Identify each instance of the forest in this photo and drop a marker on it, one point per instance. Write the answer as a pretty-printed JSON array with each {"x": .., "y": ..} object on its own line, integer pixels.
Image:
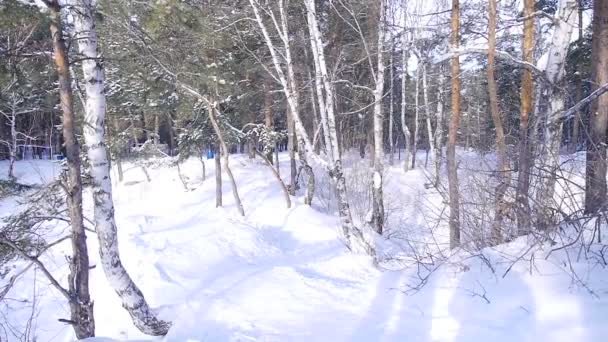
[{"x": 303, "y": 170}]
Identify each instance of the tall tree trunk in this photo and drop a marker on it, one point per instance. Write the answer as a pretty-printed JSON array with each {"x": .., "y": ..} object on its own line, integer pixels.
[
  {"x": 200, "y": 158},
  {"x": 310, "y": 184},
  {"x": 354, "y": 237},
  {"x": 268, "y": 114},
  {"x": 377, "y": 184},
  {"x": 439, "y": 126},
  {"x": 527, "y": 90},
  {"x": 276, "y": 158},
  {"x": 391, "y": 120},
  {"x": 579, "y": 85},
  {"x": 427, "y": 108},
  {"x": 404, "y": 128},
  {"x": 453, "y": 132},
  {"x": 291, "y": 151},
  {"x": 416, "y": 118},
  {"x": 288, "y": 83},
  {"x": 115, "y": 127},
  {"x": 218, "y": 178},
  {"x": 132, "y": 298},
  {"x": 595, "y": 186},
  {"x": 81, "y": 307},
  {"x": 501, "y": 148},
  {"x": 13, "y": 145},
  {"x": 552, "y": 107},
  {"x": 316, "y": 120},
  {"x": 135, "y": 137},
  {"x": 156, "y": 129},
  {"x": 223, "y": 150}
]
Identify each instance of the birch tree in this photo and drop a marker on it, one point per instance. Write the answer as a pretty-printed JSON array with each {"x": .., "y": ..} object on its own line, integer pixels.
[
  {"x": 439, "y": 125},
  {"x": 501, "y": 148},
  {"x": 391, "y": 114},
  {"x": 416, "y": 115},
  {"x": 551, "y": 105},
  {"x": 93, "y": 72},
  {"x": 427, "y": 107},
  {"x": 378, "y": 203},
  {"x": 81, "y": 306},
  {"x": 404, "y": 128},
  {"x": 454, "y": 195},
  {"x": 285, "y": 75},
  {"x": 354, "y": 237}
]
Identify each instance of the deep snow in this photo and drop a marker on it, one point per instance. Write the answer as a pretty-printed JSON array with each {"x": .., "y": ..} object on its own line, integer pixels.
[{"x": 283, "y": 275}]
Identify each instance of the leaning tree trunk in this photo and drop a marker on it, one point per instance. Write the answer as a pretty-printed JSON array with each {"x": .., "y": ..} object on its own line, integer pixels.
[
  {"x": 595, "y": 187},
  {"x": 304, "y": 144},
  {"x": 132, "y": 298},
  {"x": 552, "y": 98},
  {"x": 453, "y": 191},
  {"x": 525, "y": 155},
  {"x": 501, "y": 148},
  {"x": 224, "y": 153},
  {"x": 377, "y": 184},
  {"x": 81, "y": 307},
  {"x": 277, "y": 176}
]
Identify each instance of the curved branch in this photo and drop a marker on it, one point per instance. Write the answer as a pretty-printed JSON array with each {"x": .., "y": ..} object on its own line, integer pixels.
[{"x": 35, "y": 260}]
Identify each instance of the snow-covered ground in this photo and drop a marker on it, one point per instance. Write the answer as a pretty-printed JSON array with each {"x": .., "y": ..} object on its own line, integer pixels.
[{"x": 281, "y": 274}]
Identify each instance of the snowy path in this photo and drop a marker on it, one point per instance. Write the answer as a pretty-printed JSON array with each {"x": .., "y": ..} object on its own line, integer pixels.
[{"x": 282, "y": 274}]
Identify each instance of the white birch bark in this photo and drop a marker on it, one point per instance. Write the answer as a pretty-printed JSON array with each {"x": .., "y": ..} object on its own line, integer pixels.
[
  {"x": 280, "y": 74},
  {"x": 439, "y": 126},
  {"x": 416, "y": 117},
  {"x": 378, "y": 203},
  {"x": 131, "y": 296},
  {"x": 427, "y": 108},
  {"x": 552, "y": 106},
  {"x": 290, "y": 89},
  {"x": 354, "y": 237},
  {"x": 404, "y": 127},
  {"x": 391, "y": 120}
]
